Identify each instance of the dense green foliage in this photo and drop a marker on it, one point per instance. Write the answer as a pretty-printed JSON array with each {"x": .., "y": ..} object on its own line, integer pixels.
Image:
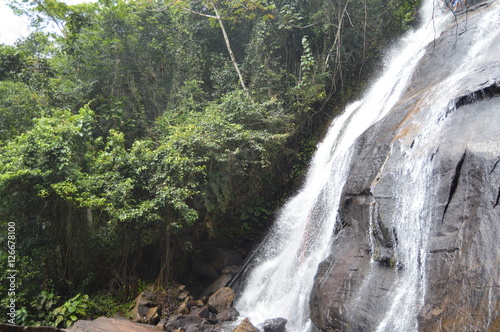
[{"x": 146, "y": 131}]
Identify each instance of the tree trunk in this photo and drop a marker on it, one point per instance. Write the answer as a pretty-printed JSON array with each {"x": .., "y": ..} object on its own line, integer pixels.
[{"x": 228, "y": 45}]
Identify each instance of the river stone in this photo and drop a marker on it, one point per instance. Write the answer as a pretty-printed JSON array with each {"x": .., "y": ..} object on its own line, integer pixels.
[
  {"x": 246, "y": 326},
  {"x": 104, "y": 324},
  {"x": 227, "y": 315},
  {"x": 462, "y": 268},
  {"x": 202, "y": 328},
  {"x": 183, "y": 322},
  {"x": 221, "y": 300},
  {"x": 275, "y": 325},
  {"x": 161, "y": 323},
  {"x": 200, "y": 311},
  {"x": 146, "y": 308}
]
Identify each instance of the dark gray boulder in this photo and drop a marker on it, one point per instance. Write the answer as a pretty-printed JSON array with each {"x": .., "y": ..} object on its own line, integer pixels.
[
  {"x": 184, "y": 322},
  {"x": 275, "y": 325}
]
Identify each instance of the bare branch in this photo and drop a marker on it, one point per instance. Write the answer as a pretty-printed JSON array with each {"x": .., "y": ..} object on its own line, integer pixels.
[
  {"x": 193, "y": 11},
  {"x": 218, "y": 17},
  {"x": 52, "y": 17},
  {"x": 228, "y": 45}
]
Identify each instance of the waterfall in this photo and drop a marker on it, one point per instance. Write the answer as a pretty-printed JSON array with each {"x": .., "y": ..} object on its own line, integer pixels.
[
  {"x": 283, "y": 270},
  {"x": 417, "y": 184}
]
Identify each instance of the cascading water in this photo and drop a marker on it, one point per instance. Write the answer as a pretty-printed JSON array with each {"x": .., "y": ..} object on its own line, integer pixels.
[
  {"x": 284, "y": 266},
  {"x": 417, "y": 185}
]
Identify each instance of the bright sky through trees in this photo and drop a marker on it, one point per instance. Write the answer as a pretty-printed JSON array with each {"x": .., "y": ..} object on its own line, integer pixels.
[{"x": 12, "y": 26}]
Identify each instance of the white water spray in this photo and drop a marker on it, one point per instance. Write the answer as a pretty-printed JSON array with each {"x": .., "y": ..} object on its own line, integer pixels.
[
  {"x": 417, "y": 184},
  {"x": 280, "y": 283}
]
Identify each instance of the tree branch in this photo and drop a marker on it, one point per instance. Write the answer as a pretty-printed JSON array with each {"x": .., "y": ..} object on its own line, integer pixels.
[
  {"x": 228, "y": 45},
  {"x": 52, "y": 17},
  {"x": 224, "y": 33},
  {"x": 193, "y": 11}
]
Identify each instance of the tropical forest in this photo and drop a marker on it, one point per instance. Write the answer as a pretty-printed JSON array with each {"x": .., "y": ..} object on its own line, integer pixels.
[{"x": 139, "y": 138}]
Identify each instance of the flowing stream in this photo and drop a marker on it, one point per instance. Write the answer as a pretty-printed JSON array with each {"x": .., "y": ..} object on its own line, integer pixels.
[{"x": 283, "y": 268}]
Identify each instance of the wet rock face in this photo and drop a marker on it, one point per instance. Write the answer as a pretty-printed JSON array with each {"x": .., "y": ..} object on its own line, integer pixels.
[
  {"x": 461, "y": 264},
  {"x": 463, "y": 254}
]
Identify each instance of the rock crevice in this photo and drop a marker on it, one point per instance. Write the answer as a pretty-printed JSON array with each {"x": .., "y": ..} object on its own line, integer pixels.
[{"x": 454, "y": 182}]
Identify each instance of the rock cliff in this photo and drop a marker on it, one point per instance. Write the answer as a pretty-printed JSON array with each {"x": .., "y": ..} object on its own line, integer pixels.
[{"x": 459, "y": 246}]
